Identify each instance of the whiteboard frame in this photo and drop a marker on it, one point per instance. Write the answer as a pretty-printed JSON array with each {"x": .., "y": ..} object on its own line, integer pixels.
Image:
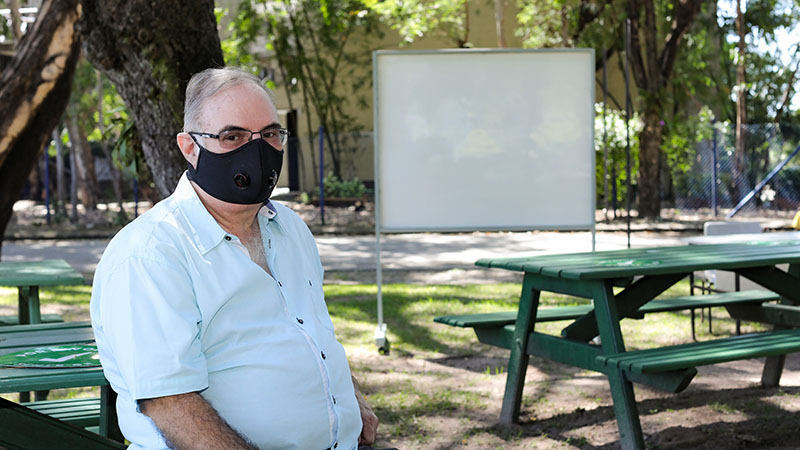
[{"x": 379, "y": 228}]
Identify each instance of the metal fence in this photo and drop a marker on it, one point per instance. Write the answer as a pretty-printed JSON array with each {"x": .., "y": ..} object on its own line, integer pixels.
[{"x": 718, "y": 180}]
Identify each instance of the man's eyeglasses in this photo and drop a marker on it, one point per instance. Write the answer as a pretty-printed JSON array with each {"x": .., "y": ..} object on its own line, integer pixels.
[{"x": 236, "y": 137}]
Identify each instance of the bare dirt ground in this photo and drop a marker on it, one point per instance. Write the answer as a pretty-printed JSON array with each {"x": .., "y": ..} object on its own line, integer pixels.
[{"x": 563, "y": 407}]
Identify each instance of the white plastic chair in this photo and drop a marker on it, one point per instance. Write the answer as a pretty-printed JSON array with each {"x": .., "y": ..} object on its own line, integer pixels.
[{"x": 708, "y": 278}]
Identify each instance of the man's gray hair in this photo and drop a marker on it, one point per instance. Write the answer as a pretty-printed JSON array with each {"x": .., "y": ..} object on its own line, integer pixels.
[{"x": 205, "y": 84}]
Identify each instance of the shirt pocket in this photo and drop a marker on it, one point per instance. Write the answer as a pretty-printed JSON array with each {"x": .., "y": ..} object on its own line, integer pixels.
[{"x": 320, "y": 307}]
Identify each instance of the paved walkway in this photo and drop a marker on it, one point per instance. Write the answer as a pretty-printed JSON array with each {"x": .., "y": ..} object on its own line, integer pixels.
[{"x": 403, "y": 256}]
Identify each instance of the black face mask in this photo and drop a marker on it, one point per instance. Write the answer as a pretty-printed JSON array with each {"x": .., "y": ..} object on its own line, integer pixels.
[{"x": 246, "y": 175}]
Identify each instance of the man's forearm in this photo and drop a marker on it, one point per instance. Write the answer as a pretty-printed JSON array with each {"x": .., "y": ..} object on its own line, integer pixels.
[{"x": 187, "y": 421}]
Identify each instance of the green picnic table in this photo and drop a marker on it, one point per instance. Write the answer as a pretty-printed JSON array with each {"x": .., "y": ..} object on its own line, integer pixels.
[
  {"x": 25, "y": 425},
  {"x": 642, "y": 274},
  {"x": 27, "y": 277}
]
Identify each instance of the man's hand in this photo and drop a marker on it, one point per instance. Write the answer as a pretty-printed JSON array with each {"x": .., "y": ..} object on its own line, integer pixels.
[
  {"x": 188, "y": 421},
  {"x": 368, "y": 417}
]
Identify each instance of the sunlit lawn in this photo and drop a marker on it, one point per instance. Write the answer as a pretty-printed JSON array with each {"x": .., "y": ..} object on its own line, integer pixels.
[{"x": 409, "y": 311}]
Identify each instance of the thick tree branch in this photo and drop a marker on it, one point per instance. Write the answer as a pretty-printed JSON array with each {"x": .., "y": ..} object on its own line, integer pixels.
[
  {"x": 685, "y": 13},
  {"x": 34, "y": 91},
  {"x": 587, "y": 15},
  {"x": 651, "y": 47},
  {"x": 635, "y": 58}
]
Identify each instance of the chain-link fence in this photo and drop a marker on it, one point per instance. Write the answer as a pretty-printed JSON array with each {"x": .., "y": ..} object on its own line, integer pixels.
[{"x": 720, "y": 178}]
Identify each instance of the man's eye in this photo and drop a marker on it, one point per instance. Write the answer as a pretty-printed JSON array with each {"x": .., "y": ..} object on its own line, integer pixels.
[
  {"x": 232, "y": 137},
  {"x": 269, "y": 134}
]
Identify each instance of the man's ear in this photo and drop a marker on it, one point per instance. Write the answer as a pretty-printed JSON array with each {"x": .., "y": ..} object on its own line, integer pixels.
[{"x": 188, "y": 147}]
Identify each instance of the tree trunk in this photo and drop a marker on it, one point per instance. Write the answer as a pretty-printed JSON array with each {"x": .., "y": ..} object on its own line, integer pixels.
[
  {"x": 649, "y": 154},
  {"x": 73, "y": 186},
  {"x": 652, "y": 69},
  {"x": 34, "y": 90},
  {"x": 741, "y": 107},
  {"x": 499, "y": 13},
  {"x": 16, "y": 21},
  {"x": 87, "y": 188},
  {"x": 116, "y": 178},
  {"x": 150, "y": 55},
  {"x": 35, "y": 189},
  {"x": 61, "y": 195}
]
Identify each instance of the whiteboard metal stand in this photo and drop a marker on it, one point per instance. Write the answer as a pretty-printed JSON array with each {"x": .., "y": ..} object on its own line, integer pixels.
[{"x": 380, "y": 331}]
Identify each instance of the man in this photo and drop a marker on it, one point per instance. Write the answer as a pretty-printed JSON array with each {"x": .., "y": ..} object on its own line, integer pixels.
[{"x": 208, "y": 309}]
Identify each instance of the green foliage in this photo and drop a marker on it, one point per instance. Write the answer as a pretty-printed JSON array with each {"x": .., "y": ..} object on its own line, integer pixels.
[
  {"x": 117, "y": 125},
  {"x": 703, "y": 78},
  {"x": 334, "y": 187},
  {"x": 570, "y": 23},
  {"x": 319, "y": 48},
  {"x": 127, "y": 153},
  {"x": 540, "y": 23},
  {"x": 6, "y": 35},
  {"x": 414, "y": 19},
  {"x": 615, "y": 146}
]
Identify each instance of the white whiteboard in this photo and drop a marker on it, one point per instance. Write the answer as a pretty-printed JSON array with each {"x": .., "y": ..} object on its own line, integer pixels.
[{"x": 484, "y": 140}]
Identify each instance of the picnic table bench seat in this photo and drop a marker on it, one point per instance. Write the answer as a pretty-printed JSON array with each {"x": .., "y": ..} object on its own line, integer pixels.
[
  {"x": 80, "y": 412},
  {"x": 14, "y": 320},
  {"x": 500, "y": 319},
  {"x": 685, "y": 356}
]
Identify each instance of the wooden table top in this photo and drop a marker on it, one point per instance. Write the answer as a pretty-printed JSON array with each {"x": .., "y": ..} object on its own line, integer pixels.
[
  {"x": 653, "y": 261},
  {"x": 49, "y": 272},
  {"x": 20, "y": 337}
]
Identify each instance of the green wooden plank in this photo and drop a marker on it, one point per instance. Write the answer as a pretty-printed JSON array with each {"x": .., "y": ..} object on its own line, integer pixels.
[
  {"x": 668, "y": 260},
  {"x": 51, "y": 272},
  {"x": 518, "y": 360},
  {"x": 38, "y": 327},
  {"x": 14, "y": 320},
  {"x": 13, "y": 338},
  {"x": 478, "y": 320},
  {"x": 780, "y": 315},
  {"x": 497, "y": 336},
  {"x": 631, "y": 262},
  {"x": 573, "y": 312},
  {"x": 624, "y": 304},
  {"x": 507, "y": 317},
  {"x": 708, "y": 352},
  {"x": 21, "y": 380},
  {"x": 710, "y": 300},
  {"x": 83, "y": 412}
]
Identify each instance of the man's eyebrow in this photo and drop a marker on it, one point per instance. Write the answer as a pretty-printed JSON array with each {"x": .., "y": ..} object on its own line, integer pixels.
[
  {"x": 230, "y": 127},
  {"x": 236, "y": 127}
]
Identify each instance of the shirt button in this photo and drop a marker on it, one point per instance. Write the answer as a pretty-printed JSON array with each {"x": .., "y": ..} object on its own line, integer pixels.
[
  {"x": 280, "y": 284},
  {"x": 300, "y": 321},
  {"x": 323, "y": 355},
  {"x": 335, "y": 444},
  {"x": 334, "y": 399},
  {"x": 227, "y": 238}
]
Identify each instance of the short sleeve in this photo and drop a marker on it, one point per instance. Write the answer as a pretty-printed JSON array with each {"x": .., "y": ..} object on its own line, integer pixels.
[{"x": 150, "y": 326}]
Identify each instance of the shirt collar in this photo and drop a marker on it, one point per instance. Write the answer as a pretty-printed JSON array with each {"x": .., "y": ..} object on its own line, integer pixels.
[
  {"x": 203, "y": 228},
  {"x": 268, "y": 210}
]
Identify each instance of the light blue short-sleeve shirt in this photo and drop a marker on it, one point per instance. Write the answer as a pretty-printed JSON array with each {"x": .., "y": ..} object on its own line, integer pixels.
[{"x": 178, "y": 306}]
